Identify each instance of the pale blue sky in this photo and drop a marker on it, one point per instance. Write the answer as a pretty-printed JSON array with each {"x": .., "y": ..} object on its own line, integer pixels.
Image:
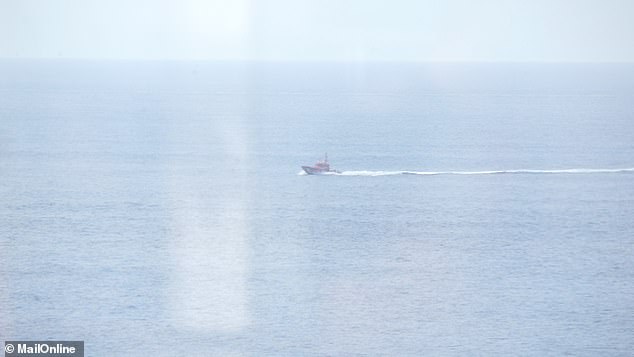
[{"x": 363, "y": 30}]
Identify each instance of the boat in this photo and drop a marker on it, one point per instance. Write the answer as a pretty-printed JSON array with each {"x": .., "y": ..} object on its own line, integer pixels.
[{"x": 321, "y": 167}]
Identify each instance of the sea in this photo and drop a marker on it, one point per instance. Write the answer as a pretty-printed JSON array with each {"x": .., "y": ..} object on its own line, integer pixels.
[{"x": 158, "y": 208}]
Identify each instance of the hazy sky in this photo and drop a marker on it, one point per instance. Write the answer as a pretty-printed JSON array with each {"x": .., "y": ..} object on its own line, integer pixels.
[{"x": 412, "y": 30}]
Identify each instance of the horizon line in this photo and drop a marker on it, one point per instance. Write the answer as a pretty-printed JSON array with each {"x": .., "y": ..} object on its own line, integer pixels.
[{"x": 307, "y": 61}]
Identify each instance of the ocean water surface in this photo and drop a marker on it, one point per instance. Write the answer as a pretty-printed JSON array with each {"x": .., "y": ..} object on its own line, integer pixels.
[{"x": 158, "y": 208}]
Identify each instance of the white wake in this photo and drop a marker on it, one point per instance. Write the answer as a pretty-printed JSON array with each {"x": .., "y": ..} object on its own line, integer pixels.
[{"x": 491, "y": 172}]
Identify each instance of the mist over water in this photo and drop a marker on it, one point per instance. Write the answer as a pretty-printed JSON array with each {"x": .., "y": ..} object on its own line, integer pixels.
[{"x": 480, "y": 208}]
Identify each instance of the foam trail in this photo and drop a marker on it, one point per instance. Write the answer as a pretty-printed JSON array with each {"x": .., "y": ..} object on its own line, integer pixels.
[{"x": 489, "y": 172}]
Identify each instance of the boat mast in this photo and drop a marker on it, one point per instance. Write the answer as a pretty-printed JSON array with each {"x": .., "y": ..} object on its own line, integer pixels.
[{"x": 326, "y": 158}]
